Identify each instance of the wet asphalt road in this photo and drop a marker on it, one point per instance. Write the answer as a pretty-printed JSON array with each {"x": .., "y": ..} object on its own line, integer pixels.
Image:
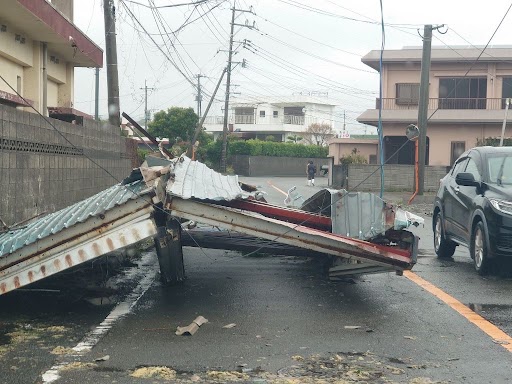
[{"x": 289, "y": 320}]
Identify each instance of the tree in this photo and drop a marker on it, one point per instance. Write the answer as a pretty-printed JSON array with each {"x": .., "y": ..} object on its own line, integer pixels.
[
  {"x": 294, "y": 138},
  {"x": 177, "y": 124},
  {"x": 319, "y": 134}
]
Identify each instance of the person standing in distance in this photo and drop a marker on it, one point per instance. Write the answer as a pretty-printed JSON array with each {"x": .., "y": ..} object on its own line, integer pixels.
[{"x": 310, "y": 171}]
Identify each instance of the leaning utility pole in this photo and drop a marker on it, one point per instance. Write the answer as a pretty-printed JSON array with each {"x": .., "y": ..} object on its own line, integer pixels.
[
  {"x": 109, "y": 13},
  {"x": 146, "y": 114},
  {"x": 423, "y": 103}
]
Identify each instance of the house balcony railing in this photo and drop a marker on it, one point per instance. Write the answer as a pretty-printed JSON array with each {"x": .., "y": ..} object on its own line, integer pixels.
[
  {"x": 443, "y": 103},
  {"x": 269, "y": 120}
]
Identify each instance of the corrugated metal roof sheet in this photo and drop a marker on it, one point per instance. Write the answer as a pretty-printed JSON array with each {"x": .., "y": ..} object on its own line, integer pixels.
[
  {"x": 69, "y": 216},
  {"x": 195, "y": 180}
]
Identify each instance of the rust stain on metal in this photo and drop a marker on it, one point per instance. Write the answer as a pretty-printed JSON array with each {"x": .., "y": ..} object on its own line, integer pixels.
[
  {"x": 43, "y": 270},
  {"x": 56, "y": 263},
  {"x": 135, "y": 234},
  {"x": 122, "y": 239},
  {"x": 31, "y": 276},
  {"x": 110, "y": 244},
  {"x": 17, "y": 282},
  {"x": 100, "y": 229},
  {"x": 81, "y": 255},
  {"x": 96, "y": 248},
  {"x": 3, "y": 287},
  {"x": 69, "y": 262}
]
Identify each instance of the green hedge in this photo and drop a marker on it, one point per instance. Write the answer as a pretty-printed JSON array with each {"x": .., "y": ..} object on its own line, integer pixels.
[
  {"x": 211, "y": 154},
  {"x": 268, "y": 148}
]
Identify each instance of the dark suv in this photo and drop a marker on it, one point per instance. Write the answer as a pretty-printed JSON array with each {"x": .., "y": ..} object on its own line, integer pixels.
[{"x": 473, "y": 207}]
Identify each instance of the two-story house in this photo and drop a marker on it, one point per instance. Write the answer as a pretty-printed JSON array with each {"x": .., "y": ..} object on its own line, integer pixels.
[
  {"x": 39, "y": 49},
  {"x": 279, "y": 117},
  {"x": 467, "y": 97}
]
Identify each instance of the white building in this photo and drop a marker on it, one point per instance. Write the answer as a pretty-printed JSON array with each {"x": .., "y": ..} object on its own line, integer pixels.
[{"x": 279, "y": 117}]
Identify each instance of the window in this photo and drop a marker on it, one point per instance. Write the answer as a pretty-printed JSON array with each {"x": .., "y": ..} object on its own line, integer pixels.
[
  {"x": 244, "y": 115},
  {"x": 262, "y": 113},
  {"x": 458, "y": 148},
  {"x": 458, "y": 167},
  {"x": 463, "y": 93},
  {"x": 407, "y": 93},
  {"x": 506, "y": 91},
  {"x": 473, "y": 169},
  {"x": 276, "y": 113}
]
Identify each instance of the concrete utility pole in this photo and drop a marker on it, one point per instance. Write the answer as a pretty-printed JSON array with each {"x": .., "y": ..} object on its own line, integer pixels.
[
  {"x": 226, "y": 101},
  {"x": 109, "y": 13},
  {"x": 201, "y": 121},
  {"x": 199, "y": 97},
  {"x": 423, "y": 103},
  {"x": 228, "y": 83},
  {"x": 504, "y": 122},
  {"x": 146, "y": 112}
]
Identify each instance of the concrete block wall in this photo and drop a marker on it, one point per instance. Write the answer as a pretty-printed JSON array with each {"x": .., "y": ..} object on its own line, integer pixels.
[
  {"x": 274, "y": 166},
  {"x": 397, "y": 177},
  {"x": 43, "y": 171}
]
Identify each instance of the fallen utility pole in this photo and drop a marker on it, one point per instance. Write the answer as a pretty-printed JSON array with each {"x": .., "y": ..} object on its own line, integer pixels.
[
  {"x": 200, "y": 123},
  {"x": 147, "y": 134}
]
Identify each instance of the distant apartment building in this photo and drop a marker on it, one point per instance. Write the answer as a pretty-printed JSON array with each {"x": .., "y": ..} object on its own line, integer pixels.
[
  {"x": 467, "y": 99},
  {"x": 39, "y": 49},
  {"x": 279, "y": 117}
]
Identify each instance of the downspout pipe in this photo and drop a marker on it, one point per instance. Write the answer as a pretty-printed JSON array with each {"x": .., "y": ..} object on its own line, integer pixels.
[{"x": 45, "y": 80}]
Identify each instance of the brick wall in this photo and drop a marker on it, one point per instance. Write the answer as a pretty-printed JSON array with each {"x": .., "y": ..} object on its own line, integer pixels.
[{"x": 42, "y": 172}]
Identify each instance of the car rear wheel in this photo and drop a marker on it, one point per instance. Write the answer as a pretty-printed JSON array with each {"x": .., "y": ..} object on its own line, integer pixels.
[
  {"x": 444, "y": 248},
  {"x": 479, "y": 249}
]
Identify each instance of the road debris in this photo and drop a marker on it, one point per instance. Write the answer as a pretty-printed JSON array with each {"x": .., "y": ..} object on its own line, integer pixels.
[
  {"x": 192, "y": 328},
  {"x": 228, "y": 326},
  {"x": 103, "y": 358},
  {"x": 352, "y": 327},
  {"x": 164, "y": 373}
]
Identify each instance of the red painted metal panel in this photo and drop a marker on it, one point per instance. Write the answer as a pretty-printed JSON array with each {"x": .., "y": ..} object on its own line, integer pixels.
[{"x": 295, "y": 216}]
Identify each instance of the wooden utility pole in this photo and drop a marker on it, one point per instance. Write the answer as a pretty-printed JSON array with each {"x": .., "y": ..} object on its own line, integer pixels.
[{"x": 109, "y": 13}]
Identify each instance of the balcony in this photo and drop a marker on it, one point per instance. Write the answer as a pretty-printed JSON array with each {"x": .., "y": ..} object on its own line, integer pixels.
[
  {"x": 441, "y": 110},
  {"x": 443, "y": 103}
]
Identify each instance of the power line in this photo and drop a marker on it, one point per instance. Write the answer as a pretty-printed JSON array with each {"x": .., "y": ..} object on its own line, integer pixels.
[{"x": 480, "y": 55}]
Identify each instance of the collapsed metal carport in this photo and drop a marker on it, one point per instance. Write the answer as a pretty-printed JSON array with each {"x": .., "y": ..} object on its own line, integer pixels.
[{"x": 153, "y": 202}]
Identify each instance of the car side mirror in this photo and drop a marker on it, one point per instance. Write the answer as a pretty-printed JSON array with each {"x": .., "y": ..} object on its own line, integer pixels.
[{"x": 466, "y": 179}]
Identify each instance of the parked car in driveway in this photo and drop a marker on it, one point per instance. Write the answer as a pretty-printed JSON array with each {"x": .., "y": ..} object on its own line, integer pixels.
[{"x": 473, "y": 207}]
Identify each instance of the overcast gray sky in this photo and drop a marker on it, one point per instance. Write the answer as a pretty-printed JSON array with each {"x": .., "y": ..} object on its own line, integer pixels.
[{"x": 297, "y": 46}]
